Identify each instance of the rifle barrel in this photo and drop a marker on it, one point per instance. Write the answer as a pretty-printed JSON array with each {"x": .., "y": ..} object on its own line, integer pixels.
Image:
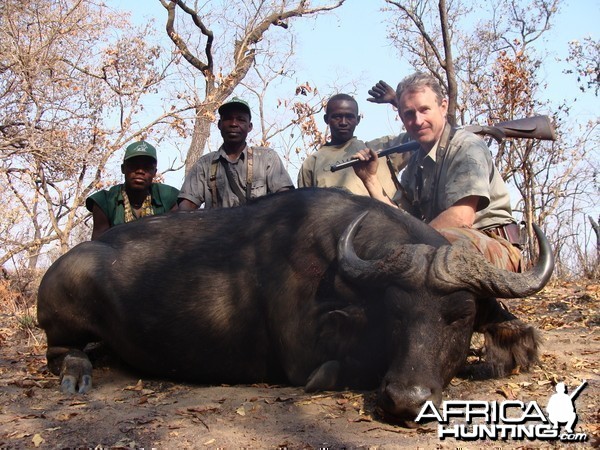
[{"x": 408, "y": 147}]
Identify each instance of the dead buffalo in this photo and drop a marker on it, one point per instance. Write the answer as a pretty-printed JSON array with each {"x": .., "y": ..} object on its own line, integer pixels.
[{"x": 313, "y": 287}]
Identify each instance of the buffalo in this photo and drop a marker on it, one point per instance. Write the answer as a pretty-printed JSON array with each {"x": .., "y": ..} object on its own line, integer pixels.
[{"x": 313, "y": 287}]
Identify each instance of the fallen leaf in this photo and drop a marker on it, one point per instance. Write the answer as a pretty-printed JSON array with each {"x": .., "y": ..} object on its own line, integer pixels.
[
  {"x": 65, "y": 416},
  {"x": 361, "y": 419},
  {"x": 507, "y": 392},
  {"x": 204, "y": 409},
  {"x": 138, "y": 387},
  {"x": 37, "y": 440}
]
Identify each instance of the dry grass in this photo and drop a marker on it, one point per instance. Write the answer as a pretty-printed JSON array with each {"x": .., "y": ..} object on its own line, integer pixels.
[{"x": 18, "y": 307}]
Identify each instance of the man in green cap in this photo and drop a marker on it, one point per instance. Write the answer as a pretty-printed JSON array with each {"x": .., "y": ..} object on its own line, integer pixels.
[
  {"x": 137, "y": 197},
  {"x": 236, "y": 172}
]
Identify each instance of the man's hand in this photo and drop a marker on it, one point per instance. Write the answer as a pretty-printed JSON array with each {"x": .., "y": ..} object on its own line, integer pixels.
[
  {"x": 382, "y": 93},
  {"x": 366, "y": 169}
]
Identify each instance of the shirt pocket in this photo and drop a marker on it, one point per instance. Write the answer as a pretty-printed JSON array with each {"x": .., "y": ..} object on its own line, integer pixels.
[{"x": 259, "y": 188}]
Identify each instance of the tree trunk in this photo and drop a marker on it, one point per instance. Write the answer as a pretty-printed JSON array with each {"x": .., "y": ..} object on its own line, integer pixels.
[
  {"x": 200, "y": 137},
  {"x": 596, "y": 229},
  {"x": 448, "y": 63}
]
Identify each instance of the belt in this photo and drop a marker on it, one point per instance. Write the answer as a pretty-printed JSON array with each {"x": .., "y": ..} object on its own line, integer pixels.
[{"x": 511, "y": 232}]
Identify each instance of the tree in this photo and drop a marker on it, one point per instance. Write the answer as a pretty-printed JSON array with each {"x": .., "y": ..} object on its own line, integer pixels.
[
  {"x": 230, "y": 49},
  {"x": 596, "y": 229},
  {"x": 553, "y": 179},
  {"x": 294, "y": 125},
  {"x": 586, "y": 58},
  {"x": 72, "y": 85},
  {"x": 429, "y": 43}
]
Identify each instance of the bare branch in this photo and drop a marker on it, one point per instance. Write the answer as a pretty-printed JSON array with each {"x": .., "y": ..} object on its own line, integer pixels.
[{"x": 205, "y": 67}]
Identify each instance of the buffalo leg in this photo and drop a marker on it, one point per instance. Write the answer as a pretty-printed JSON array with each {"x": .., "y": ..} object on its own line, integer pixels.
[{"x": 74, "y": 368}]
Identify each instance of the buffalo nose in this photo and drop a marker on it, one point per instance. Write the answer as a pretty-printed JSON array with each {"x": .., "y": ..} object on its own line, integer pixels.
[{"x": 405, "y": 402}]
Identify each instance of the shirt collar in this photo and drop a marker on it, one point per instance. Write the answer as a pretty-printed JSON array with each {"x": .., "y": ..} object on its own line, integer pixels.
[
  {"x": 342, "y": 145},
  {"x": 432, "y": 154},
  {"x": 221, "y": 154}
]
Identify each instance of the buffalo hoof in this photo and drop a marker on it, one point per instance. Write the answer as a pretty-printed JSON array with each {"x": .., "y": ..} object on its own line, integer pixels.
[
  {"x": 324, "y": 378},
  {"x": 76, "y": 373}
]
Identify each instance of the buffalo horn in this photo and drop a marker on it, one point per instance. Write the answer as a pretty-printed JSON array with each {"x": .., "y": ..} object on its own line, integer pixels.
[
  {"x": 457, "y": 265},
  {"x": 405, "y": 264},
  {"x": 447, "y": 268}
]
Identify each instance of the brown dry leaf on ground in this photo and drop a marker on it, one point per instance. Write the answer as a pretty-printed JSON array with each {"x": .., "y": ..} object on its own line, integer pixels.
[{"x": 124, "y": 411}]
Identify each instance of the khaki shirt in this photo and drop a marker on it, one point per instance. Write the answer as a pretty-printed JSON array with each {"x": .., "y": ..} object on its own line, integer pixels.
[
  {"x": 316, "y": 170},
  {"x": 268, "y": 176},
  {"x": 465, "y": 169}
]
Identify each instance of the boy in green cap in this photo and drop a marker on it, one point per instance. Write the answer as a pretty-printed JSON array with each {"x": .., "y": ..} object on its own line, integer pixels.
[{"x": 137, "y": 197}]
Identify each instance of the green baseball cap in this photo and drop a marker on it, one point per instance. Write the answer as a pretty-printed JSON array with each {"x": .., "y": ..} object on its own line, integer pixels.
[
  {"x": 238, "y": 103},
  {"x": 141, "y": 148}
]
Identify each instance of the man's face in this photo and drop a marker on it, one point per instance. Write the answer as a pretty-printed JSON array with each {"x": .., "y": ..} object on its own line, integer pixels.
[
  {"x": 423, "y": 118},
  {"x": 342, "y": 118},
  {"x": 235, "y": 125},
  {"x": 139, "y": 172}
]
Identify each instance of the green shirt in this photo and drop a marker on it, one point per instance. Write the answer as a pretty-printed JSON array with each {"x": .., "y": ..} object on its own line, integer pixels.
[{"x": 110, "y": 201}]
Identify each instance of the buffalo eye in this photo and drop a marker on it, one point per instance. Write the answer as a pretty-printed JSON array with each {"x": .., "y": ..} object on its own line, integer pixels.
[{"x": 458, "y": 310}]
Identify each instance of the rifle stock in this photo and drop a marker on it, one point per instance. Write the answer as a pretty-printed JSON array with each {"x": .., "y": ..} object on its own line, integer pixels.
[{"x": 536, "y": 127}]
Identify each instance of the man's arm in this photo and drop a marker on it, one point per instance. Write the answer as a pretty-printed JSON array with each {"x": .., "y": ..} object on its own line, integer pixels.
[
  {"x": 101, "y": 223},
  {"x": 306, "y": 172},
  {"x": 195, "y": 186},
  {"x": 461, "y": 214},
  {"x": 186, "y": 205},
  {"x": 278, "y": 179}
]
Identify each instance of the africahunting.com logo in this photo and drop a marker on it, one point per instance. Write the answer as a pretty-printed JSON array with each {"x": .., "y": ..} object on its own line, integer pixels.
[{"x": 510, "y": 419}]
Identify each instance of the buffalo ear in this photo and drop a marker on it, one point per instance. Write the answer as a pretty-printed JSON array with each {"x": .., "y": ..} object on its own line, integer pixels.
[{"x": 340, "y": 330}]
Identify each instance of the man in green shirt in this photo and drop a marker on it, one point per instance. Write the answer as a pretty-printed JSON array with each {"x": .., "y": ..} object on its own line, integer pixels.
[{"x": 137, "y": 197}]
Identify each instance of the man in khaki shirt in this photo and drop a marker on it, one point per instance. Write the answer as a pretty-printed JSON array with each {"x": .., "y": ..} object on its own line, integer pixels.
[
  {"x": 341, "y": 114},
  {"x": 451, "y": 181},
  {"x": 236, "y": 172}
]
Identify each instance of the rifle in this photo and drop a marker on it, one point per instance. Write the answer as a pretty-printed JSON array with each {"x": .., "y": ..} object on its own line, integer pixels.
[
  {"x": 408, "y": 147},
  {"x": 536, "y": 127}
]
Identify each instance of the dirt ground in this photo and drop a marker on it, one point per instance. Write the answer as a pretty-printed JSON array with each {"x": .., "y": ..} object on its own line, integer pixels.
[{"x": 123, "y": 411}]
